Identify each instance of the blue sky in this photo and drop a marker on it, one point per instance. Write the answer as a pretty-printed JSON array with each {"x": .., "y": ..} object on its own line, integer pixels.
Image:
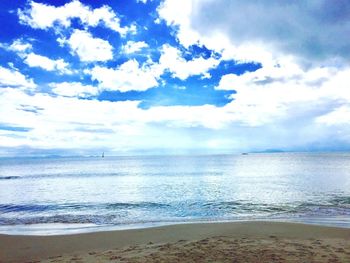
[{"x": 158, "y": 77}]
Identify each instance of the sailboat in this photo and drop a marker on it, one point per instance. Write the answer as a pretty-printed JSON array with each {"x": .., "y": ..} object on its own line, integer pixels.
[{"x": 103, "y": 155}]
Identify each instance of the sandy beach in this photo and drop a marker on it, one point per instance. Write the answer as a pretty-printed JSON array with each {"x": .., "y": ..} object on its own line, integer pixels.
[{"x": 202, "y": 242}]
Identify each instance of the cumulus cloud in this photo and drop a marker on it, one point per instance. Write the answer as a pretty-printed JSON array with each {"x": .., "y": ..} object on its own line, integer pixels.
[
  {"x": 315, "y": 32},
  {"x": 35, "y": 60},
  {"x": 15, "y": 79},
  {"x": 124, "y": 126},
  {"x": 284, "y": 104},
  {"x": 178, "y": 14},
  {"x": 20, "y": 46},
  {"x": 304, "y": 70},
  {"x": 285, "y": 71},
  {"x": 338, "y": 116},
  {"x": 92, "y": 123},
  {"x": 43, "y": 16},
  {"x": 286, "y": 92},
  {"x": 132, "y": 46},
  {"x": 128, "y": 76},
  {"x": 307, "y": 30},
  {"x": 172, "y": 60},
  {"x": 133, "y": 76},
  {"x": 88, "y": 48},
  {"x": 24, "y": 50},
  {"x": 73, "y": 89}
]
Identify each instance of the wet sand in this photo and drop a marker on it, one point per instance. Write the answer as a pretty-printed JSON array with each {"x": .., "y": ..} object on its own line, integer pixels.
[{"x": 202, "y": 242}]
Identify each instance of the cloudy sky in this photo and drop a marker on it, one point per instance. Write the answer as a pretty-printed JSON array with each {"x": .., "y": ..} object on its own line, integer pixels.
[{"x": 173, "y": 76}]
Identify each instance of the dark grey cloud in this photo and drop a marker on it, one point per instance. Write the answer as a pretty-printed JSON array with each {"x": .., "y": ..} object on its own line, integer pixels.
[{"x": 314, "y": 30}]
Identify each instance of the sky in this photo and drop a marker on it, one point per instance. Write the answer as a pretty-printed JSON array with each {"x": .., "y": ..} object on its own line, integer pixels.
[{"x": 173, "y": 76}]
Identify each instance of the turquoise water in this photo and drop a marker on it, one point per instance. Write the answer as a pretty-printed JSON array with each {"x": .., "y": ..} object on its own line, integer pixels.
[{"x": 66, "y": 195}]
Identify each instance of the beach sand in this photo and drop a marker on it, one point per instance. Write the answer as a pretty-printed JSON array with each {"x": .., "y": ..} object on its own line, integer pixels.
[{"x": 202, "y": 242}]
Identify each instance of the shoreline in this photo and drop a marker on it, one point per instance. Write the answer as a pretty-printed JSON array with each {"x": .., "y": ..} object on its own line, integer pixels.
[
  {"x": 152, "y": 243},
  {"x": 63, "y": 229}
]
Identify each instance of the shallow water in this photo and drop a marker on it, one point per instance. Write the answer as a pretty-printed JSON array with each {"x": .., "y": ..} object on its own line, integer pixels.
[{"x": 66, "y": 195}]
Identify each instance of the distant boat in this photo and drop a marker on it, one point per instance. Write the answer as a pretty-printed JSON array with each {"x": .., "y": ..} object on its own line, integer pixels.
[
  {"x": 244, "y": 153},
  {"x": 103, "y": 155}
]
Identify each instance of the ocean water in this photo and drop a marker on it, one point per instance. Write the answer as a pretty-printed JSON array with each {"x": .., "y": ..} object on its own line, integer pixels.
[{"x": 68, "y": 195}]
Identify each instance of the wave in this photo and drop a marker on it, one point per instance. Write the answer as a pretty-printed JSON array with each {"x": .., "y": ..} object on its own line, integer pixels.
[
  {"x": 246, "y": 206},
  {"x": 8, "y": 208},
  {"x": 341, "y": 200},
  {"x": 136, "y": 205},
  {"x": 233, "y": 206},
  {"x": 122, "y": 212},
  {"x": 63, "y": 219}
]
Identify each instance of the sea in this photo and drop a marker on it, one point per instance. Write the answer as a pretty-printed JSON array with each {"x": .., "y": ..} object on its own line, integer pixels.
[{"x": 61, "y": 195}]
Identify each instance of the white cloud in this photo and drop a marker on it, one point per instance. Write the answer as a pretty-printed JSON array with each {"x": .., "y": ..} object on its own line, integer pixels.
[
  {"x": 59, "y": 65},
  {"x": 132, "y": 76},
  {"x": 180, "y": 87},
  {"x": 20, "y": 46},
  {"x": 263, "y": 114},
  {"x": 284, "y": 92},
  {"x": 73, "y": 89},
  {"x": 24, "y": 50},
  {"x": 128, "y": 76},
  {"x": 14, "y": 78},
  {"x": 88, "y": 48},
  {"x": 283, "y": 104},
  {"x": 285, "y": 71},
  {"x": 172, "y": 60},
  {"x": 178, "y": 13},
  {"x": 132, "y": 46},
  {"x": 93, "y": 124},
  {"x": 305, "y": 31},
  {"x": 340, "y": 116},
  {"x": 45, "y": 16}
]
